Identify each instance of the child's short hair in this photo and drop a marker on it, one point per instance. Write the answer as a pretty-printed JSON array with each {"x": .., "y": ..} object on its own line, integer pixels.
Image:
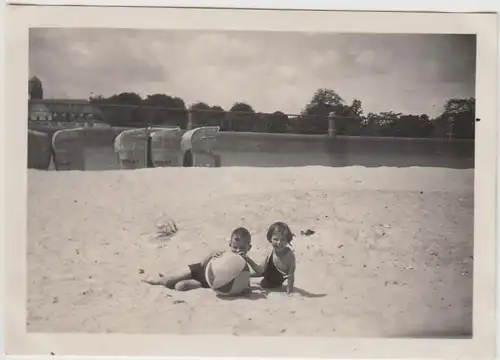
[
  {"x": 241, "y": 233},
  {"x": 282, "y": 228}
]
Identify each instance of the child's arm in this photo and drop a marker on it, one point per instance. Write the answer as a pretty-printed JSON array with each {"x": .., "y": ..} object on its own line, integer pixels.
[
  {"x": 212, "y": 255},
  {"x": 289, "y": 285},
  {"x": 258, "y": 270},
  {"x": 290, "y": 280}
]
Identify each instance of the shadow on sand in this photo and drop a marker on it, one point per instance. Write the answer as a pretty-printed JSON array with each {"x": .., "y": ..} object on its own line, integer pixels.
[
  {"x": 254, "y": 293},
  {"x": 257, "y": 292}
]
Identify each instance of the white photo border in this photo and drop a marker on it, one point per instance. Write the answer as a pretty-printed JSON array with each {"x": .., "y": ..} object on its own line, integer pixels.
[{"x": 21, "y": 18}]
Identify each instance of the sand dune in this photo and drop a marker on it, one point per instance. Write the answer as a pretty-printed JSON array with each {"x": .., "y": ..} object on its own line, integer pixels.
[{"x": 391, "y": 254}]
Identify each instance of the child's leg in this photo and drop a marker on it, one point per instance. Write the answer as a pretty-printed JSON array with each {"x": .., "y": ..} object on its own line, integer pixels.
[
  {"x": 186, "y": 285},
  {"x": 266, "y": 284},
  {"x": 172, "y": 280},
  {"x": 196, "y": 279}
]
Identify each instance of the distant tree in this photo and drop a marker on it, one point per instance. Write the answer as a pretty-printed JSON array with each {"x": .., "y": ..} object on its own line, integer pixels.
[
  {"x": 127, "y": 98},
  {"x": 218, "y": 115},
  {"x": 456, "y": 105},
  {"x": 126, "y": 108},
  {"x": 390, "y": 123},
  {"x": 173, "y": 110},
  {"x": 427, "y": 127},
  {"x": 390, "y": 116},
  {"x": 241, "y": 107},
  {"x": 199, "y": 106},
  {"x": 297, "y": 124},
  {"x": 372, "y": 124},
  {"x": 200, "y": 115},
  {"x": 357, "y": 108},
  {"x": 382, "y": 124},
  {"x": 96, "y": 99},
  {"x": 119, "y": 109},
  {"x": 217, "y": 108},
  {"x": 241, "y": 117},
  {"x": 277, "y": 122},
  {"x": 372, "y": 118},
  {"x": 461, "y": 113},
  {"x": 325, "y": 102},
  {"x": 156, "y": 109},
  {"x": 413, "y": 126},
  {"x": 160, "y": 100},
  {"x": 322, "y": 103}
]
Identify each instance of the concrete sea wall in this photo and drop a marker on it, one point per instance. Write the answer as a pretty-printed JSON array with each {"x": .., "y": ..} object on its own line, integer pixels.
[{"x": 289, "y": 150}]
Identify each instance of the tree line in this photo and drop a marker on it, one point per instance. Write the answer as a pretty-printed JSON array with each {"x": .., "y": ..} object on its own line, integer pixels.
[{"x": 130, "y": 109}]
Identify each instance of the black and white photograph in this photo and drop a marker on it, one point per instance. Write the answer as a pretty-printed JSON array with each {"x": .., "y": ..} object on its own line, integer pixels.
[{"x": 251, "y": 182}]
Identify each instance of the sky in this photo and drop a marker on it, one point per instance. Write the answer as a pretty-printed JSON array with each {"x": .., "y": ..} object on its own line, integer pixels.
[{"x": 408, "y": 73}]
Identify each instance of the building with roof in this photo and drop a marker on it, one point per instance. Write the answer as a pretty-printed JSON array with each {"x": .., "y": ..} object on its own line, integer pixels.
[
  {"x": 59, "y": 110},
  {"x": 63, "y": 110}
]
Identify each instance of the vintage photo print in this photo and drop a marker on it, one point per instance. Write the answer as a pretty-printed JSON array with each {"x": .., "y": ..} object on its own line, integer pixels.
[{"x": 250, "y": 183}]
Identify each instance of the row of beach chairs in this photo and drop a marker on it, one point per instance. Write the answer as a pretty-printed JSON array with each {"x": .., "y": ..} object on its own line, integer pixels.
[{"x": 135, "y": 148}]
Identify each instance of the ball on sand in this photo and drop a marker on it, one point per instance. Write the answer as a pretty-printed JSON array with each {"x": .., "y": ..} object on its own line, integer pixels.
[{"x": 228, "y": 274}]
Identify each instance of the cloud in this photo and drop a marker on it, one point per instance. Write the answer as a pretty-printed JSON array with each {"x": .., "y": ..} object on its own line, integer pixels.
[
  {"x": 66, "y": 59},
  {"x": 366, "y": 57},
  {"x": 271, "y": 71}
]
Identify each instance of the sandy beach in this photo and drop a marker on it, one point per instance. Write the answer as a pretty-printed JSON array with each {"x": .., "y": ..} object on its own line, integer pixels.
[{"x": 391, "y": 254}]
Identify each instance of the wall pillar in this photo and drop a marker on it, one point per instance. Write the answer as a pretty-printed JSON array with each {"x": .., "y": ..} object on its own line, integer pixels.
[
  {"x": 331, "y": 125},
  {"x": 450, "y": 129},
  {"x": 190, "y": 120}
]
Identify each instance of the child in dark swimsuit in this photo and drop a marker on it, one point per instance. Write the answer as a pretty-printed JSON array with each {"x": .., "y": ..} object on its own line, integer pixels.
[
  {"x": 193, "y": 276},
  {"x": 279, "y": 265}
]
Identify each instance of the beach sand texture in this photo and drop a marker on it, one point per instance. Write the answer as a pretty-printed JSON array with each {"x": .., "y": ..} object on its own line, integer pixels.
[{"x": 391, "y": 254}]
